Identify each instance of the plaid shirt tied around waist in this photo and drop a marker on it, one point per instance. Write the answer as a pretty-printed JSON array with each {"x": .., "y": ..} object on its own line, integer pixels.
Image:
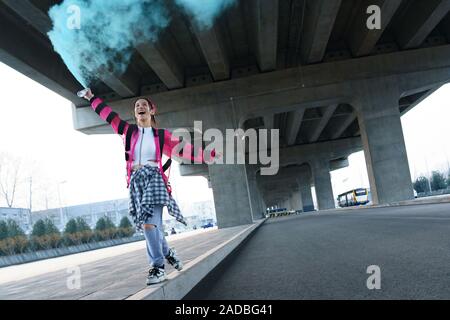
[{"x": 147, "y": 189}]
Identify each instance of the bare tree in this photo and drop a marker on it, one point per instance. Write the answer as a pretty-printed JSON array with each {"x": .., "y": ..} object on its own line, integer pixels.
[{"x": 9, "y": 178}]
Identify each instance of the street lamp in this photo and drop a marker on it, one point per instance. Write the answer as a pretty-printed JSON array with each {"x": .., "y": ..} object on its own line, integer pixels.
[{"x": 61, "y": 215}]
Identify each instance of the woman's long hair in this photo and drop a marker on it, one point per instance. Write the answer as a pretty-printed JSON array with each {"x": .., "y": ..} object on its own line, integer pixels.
[{"x": 154, "y": 123}]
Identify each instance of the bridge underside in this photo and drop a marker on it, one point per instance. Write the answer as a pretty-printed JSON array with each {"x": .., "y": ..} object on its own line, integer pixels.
[{"x": 311, "y": 69}]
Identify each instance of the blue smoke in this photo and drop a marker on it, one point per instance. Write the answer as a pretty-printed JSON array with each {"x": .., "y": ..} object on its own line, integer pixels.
[
  {"x": 109, "y": 31},
  {"x": 205, "y": 11}
]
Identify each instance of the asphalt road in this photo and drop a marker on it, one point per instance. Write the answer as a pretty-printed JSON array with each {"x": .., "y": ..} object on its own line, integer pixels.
[{"x": 326, "y": 256}]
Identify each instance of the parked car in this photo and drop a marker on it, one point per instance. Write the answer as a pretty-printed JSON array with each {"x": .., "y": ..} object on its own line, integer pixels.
[{"x": 208, "y": 225}]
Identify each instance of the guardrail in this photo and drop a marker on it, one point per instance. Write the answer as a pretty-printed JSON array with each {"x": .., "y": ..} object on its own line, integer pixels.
[{"x": 283, "y": 213}]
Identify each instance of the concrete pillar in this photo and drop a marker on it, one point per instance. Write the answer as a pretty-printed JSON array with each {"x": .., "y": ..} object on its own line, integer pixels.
[
  {"x": 307, "y": 200},
  {"x": 296, "y": 200},
  {"x": 377, "y": 106},
  {"x": 286, "y": 204},
  {"x": 264, "y": 200},
  {"x": 322, "y": 182},
  {"x": 254, "y": 194},
  {"x": 231, "y": 197},
  {"x": 263, "y": 204}
]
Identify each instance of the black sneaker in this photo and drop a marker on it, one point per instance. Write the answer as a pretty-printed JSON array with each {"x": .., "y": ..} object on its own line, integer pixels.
[
  {"x": 173, "y": 259},
  {"x": 156, "y": 275}
]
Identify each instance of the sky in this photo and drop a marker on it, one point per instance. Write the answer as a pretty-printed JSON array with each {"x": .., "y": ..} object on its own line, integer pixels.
[{"x": 70, "y": 168}]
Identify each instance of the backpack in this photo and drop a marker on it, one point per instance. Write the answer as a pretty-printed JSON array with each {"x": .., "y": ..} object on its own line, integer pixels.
[{"x": 166, "y": 165}]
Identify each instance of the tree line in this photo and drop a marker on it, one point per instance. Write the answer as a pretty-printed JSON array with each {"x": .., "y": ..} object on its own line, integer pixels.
[
  {"x": 45, "y": 235},
  {"x": 437, "y": 181}
]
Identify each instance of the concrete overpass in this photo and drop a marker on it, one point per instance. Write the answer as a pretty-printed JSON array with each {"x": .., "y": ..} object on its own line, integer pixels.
[{"x": 311, "y": 69}]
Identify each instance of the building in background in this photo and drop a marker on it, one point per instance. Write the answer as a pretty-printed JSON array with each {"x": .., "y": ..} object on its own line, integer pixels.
[
  {"x": 197, "y": 214},
  {"x": 91, "y": 212},
  {"x": 21, "y": 216}
]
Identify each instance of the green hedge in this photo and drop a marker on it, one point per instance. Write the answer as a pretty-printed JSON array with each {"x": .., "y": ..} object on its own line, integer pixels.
[{"x": 46, "y": 236}]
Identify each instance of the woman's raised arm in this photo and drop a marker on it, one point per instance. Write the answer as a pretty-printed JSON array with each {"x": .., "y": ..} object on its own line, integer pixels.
[{"x": 105, "y": 112}]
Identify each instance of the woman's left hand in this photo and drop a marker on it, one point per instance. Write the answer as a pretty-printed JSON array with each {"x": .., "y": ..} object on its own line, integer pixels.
[{"x": 88, "y": 95}]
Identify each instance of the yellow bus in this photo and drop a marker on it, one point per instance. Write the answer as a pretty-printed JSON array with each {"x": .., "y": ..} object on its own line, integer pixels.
[{"x": 354, "y": 197}]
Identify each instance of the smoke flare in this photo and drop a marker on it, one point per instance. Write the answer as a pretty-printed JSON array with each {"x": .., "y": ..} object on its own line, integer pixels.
[{"x": 109, "y": 30}]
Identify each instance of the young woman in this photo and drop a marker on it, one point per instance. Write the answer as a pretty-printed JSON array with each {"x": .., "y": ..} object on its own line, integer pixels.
[{"x": 148, "y": 185}]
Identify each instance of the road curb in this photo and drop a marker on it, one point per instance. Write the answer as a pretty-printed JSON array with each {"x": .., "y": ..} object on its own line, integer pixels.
[
  {"x": 393, "y": 204},
  {"x": 180, "y": 283}
]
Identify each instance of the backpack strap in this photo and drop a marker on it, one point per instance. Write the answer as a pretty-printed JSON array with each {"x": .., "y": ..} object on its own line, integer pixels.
[
  {"x": 131, "y": 129},
  {"x": 166, "y": 165}
]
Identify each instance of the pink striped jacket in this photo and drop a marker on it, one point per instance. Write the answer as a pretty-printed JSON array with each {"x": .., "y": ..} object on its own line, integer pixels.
[{"x": 130, "y": 135}]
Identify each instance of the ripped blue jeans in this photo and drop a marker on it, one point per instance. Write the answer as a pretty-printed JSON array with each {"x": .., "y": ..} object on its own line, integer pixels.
[{"x": 157, "y": 247}]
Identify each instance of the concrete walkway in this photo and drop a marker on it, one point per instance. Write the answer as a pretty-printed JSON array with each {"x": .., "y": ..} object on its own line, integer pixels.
[{"x": 117, "y": 276}]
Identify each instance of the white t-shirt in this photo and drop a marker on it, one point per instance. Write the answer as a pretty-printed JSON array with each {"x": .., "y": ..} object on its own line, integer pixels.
[{"x": 145, "y": 150}]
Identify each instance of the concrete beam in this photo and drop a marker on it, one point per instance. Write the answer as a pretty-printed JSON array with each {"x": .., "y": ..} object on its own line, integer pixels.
[
  {"x": 276, "y": 198},
  {"x": 339, "y": 164},
  {"x": 420, "y": 18},
  {"x": 320, "y": 17},
  {"x": 344, "y": 125},
  {"x": 265, "y": 14},
  {"x": 269, "y": 121},
  {"x": 277, "y": 184},
  {"x": 323, "y": 123},
  {"x": 213, "y": 48},
  {"x": 446, "y": 27},
  {"x": 125, "y": 85},
  {"x": 190, "y": 170},
  {"x": 160, "y": 58},
  {"x": 285, "y": 176},
  {"x": 422, "y": 98},
  {"x": 294, "y": 121},
  {"x": 294, "y": 159},
  {"x": 31, "y": 14},
  {"x": 330, "y": 150},
  {"x": 42, "y": 64},
  {"x": 270, "y": 194},
  {"x": 290, "y": 179},
  {"x": 362, "y": 40},
  {"x": 280, "y": 91}
]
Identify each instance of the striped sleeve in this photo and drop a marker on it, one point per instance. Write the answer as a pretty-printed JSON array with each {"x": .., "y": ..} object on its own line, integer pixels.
[
  {"x": 105, "y": 112},
  {"x": 188, "y": 152}
]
